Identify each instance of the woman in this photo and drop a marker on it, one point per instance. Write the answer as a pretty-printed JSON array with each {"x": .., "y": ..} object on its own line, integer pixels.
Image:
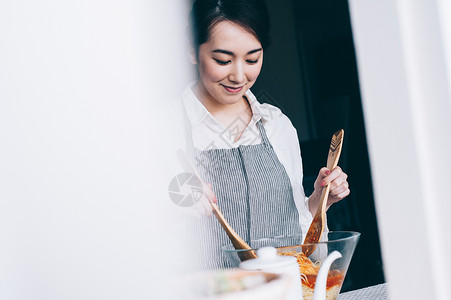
[{"x": 247, "y": 151}]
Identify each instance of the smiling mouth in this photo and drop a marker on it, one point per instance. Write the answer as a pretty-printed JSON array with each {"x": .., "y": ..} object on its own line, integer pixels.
[{"x": 231, "y": 89}]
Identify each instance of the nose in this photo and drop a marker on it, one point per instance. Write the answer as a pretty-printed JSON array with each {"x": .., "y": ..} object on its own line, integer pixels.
[{"x": 237, "y": 74}]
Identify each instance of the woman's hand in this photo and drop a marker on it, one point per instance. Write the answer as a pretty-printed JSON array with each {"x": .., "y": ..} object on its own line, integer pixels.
[
  {"x": 339, "y": 188},
  {"x": 203, "y": 206}
]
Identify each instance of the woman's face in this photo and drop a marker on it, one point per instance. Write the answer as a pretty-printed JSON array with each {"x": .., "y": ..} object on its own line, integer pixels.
[{"x": 228, "y": 63}]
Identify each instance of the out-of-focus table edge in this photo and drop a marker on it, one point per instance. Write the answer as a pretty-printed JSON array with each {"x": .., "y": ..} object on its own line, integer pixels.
[{"x": 375, "y": 292}]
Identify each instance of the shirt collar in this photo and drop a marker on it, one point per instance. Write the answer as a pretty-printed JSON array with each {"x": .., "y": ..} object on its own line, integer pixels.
[
  {"x": 256, "y": 107},
  {"x": 196, "y": 112}
]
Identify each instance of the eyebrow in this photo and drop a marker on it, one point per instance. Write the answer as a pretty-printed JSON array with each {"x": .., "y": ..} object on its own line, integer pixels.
[{"x": 231, "y": 53}]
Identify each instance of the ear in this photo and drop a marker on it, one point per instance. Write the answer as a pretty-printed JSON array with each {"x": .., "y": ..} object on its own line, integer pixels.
[{"x": 193, "y": 56}]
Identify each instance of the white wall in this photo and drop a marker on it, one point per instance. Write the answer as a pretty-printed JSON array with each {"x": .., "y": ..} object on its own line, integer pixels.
[
  {"x": 403, "y": 52},
  {"x": 83, "y": 173}
]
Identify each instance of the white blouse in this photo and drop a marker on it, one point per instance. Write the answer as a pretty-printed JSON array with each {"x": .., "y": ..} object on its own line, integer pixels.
[{"x": 208, "y": 133}]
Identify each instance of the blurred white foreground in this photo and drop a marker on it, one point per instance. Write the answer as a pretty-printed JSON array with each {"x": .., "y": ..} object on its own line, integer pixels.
[
  {"x": 404, "y": 61},
  {"x": 83, "y": 155}
]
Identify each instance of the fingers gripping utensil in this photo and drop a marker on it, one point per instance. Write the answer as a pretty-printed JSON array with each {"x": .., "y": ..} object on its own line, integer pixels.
[
  {"x": 236, "y": 240},
  {"x": 317, "y": 227}
]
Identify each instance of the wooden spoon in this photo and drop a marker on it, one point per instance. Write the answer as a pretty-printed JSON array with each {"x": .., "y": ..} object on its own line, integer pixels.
[
  {"x": 236, "y": 240},
  {"x": 317, "y": 227}
]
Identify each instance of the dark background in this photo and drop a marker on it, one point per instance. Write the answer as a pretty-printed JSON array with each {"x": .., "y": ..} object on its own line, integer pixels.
[{"x": 310, "y": 72}]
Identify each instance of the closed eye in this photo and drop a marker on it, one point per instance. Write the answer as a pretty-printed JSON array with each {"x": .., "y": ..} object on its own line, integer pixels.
[
  {"x": 249, "y": 61},
  {"x": 222, "y": 62}
]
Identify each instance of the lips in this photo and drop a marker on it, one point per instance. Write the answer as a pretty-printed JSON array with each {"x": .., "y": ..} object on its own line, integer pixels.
[{"x": 231, "y": 89}]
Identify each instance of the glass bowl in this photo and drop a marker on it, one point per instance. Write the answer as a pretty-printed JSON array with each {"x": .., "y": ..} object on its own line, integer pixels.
[{"x": 341, "y": 241}]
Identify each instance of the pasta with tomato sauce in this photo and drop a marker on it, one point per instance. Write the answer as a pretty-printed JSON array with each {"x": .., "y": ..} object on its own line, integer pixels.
[{"x": 309, "y": 271}]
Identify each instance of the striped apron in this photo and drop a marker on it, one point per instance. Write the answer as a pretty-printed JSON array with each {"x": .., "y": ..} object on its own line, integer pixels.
[{"x": 254, "y": 193}]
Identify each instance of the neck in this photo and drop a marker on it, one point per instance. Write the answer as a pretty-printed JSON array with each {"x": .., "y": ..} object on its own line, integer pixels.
[
  {"x": 226, "y": 114},
  {"x": 221, "y": 110}
]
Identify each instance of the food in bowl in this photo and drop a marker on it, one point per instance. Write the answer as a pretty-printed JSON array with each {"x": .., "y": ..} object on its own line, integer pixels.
[
  {"x": 223, "y": 282},
  {"x": 342, "y": 241},
  {"x": 235, "y": 284},
  {"x": 309, "y": 271}
]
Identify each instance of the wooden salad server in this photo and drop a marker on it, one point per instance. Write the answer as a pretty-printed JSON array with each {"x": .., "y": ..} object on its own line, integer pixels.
[
  {"x": 236, "y": 240},
  {"x": 319, "y": 220}
]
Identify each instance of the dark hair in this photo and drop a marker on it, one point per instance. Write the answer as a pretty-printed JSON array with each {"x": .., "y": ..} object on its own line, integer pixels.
[{"x": 252, "y": 15}]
